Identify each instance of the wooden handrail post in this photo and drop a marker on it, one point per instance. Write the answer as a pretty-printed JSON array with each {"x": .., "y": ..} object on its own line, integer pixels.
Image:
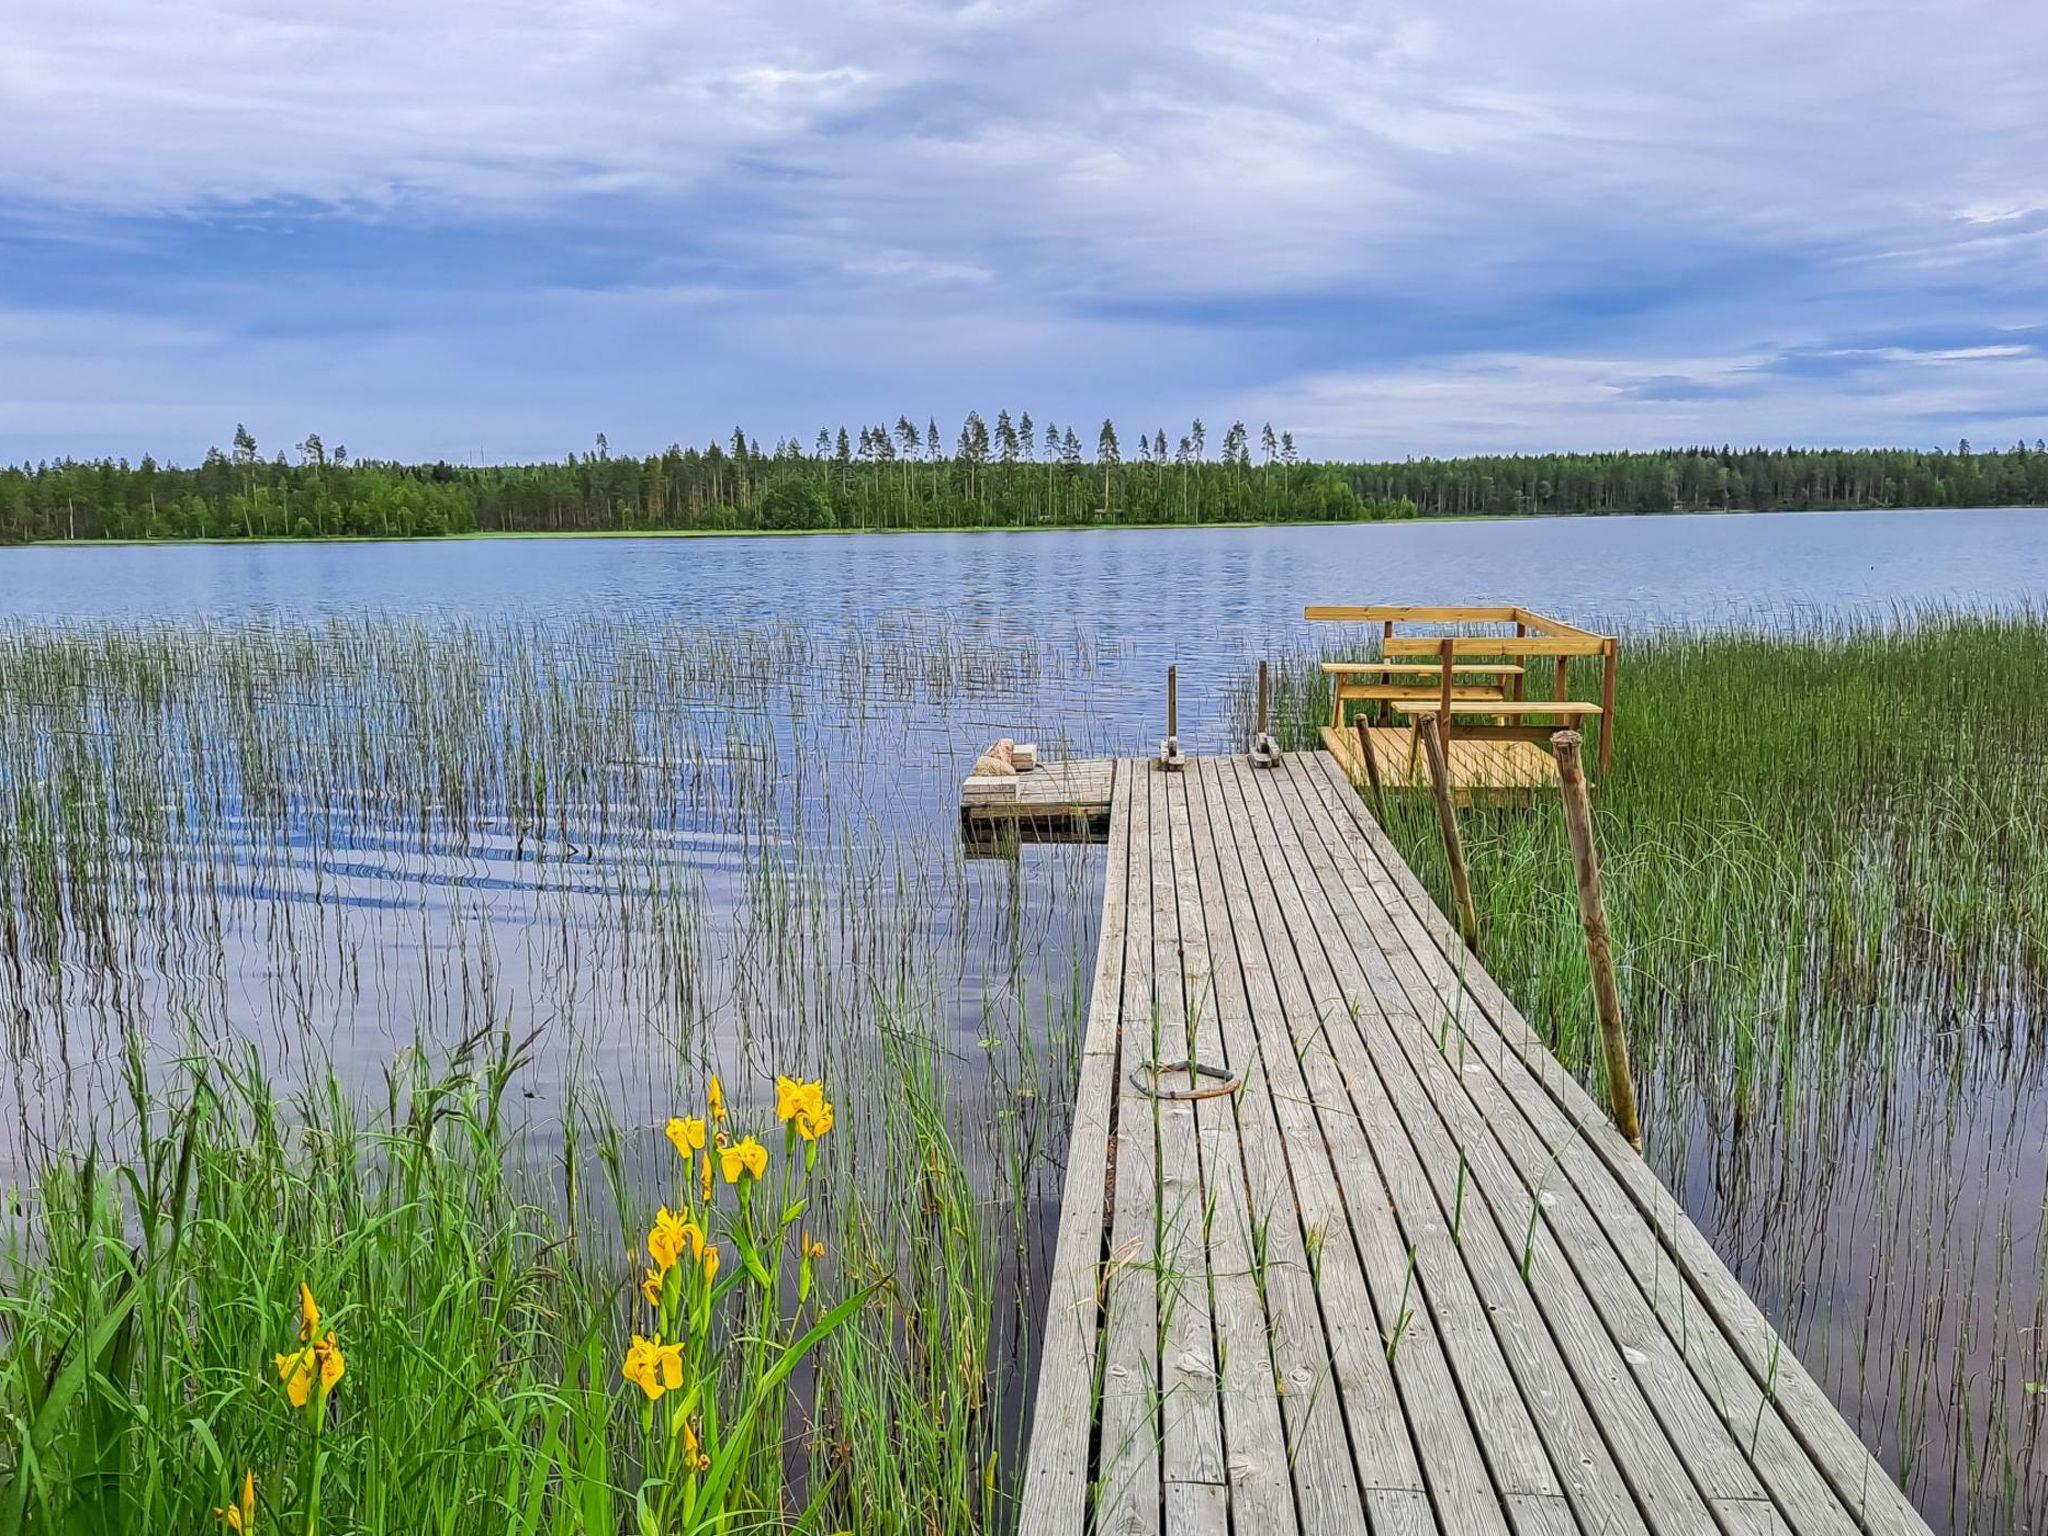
[
  {"x": 1265, "y": 750},
  {"x": 1171, "y": 758},
  {"x": 1578, "y": 821},
  {"x": 1447, "y": 816},
  {"x": 1449, "y": 656},
  {"x": 1372, "y": 768},
  {"x": 1607, "y": 704}
]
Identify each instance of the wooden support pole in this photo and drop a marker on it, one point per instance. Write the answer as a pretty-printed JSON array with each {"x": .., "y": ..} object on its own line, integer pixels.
[
  {"x": 1607, "y": 705},
  {"x": 1262, "y": 727},
  {"x": 1447, "y": 816},
  {"x": 1372, "y": 769},
  {"x": 1578, "y": 820}
]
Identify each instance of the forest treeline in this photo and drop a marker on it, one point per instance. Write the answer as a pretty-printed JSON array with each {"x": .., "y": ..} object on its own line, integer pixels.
[{"x": 1013, "y": 473}]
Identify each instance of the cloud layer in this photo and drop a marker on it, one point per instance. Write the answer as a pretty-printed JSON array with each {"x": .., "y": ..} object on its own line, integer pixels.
[{"x": 500, "y": 228}]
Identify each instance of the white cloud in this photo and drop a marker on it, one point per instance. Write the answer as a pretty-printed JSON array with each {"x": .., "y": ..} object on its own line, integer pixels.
[
  {"x": 1528, "y": 402},
  {"x": 1416, "y": 226}
]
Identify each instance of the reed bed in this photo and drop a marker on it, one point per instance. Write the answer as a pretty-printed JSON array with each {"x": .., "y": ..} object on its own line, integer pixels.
[
  {"x": 378, "y": 957},
  {"x": 1826, "y": 869}
]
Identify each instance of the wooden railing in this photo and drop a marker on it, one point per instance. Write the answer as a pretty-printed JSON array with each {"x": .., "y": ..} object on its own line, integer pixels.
[{"x": 1433, "y": 664}]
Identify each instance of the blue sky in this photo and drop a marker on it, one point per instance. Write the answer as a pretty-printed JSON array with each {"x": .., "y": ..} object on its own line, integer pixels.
[{"x": 497, "y": 229}]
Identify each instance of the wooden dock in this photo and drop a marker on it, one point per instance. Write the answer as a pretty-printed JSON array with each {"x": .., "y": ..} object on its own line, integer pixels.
[{"x": 1408, "y": 1278}]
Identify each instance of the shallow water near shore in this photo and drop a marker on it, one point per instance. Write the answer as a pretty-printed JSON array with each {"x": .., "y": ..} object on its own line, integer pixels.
[{"x": 664, "y": 805}]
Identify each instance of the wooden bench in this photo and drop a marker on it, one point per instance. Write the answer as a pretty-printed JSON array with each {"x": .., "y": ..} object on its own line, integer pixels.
[{"x": 1343, "y": 691}]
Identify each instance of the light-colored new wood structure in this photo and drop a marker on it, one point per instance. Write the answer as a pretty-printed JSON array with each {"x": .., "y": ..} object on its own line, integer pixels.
[
  {"x": 1494, "y": 734},
  {"x": 1408, "y": 1278}
]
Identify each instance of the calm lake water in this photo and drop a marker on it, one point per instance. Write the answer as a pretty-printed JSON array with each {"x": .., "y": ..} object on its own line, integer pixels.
[
  {"x": 800, "y": 782},
  {"x": 1205, "y": 598}
]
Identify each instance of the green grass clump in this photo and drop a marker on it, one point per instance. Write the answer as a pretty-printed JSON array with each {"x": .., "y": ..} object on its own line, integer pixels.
[{"x": 483, "y": 1340}]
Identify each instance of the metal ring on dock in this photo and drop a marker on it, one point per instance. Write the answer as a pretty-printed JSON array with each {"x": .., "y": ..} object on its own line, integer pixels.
[{"x": 1228, "y": 1082}]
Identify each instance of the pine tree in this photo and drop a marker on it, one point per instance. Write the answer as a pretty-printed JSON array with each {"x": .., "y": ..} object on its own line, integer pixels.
[
  {"x": 1024, "y": 443},
  {"x": 1269, "y": 446},
  {"x": 1006, "y": 439},
  {"x": 1108, "y": 455}
]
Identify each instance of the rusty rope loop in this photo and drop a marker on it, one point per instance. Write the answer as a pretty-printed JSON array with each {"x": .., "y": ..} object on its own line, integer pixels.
[{"x": 1146, "y": 1080}]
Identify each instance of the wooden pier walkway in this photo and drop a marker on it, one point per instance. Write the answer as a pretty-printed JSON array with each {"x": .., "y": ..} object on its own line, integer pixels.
[{"x": 1409, "y": 1278}]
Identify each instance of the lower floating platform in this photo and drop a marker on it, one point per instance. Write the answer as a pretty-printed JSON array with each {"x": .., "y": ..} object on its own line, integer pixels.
[
  {"x": 1052, "y": 803},
  {"x": 1482, "y": 772}
]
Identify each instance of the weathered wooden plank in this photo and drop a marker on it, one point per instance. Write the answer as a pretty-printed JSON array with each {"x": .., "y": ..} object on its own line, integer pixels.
[
  {"x": 1329, "y": 1357},
  {"x": 1128, "y": 1475},
  {"x": 1262, "y": 1495},
  {"x": 1495, "y": 1029},
  {"x": 1191, "y": 1423},
  {"x": 1407, "y": 1308},
  {"x": 1055, "y": 1491}
]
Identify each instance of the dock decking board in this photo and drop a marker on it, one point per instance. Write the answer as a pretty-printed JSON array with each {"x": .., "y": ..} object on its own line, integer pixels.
[{"x": 1405, "y": 1161}]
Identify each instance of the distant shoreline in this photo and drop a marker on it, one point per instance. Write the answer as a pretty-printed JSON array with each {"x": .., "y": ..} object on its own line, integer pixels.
[{"x": 482, "y": 535}]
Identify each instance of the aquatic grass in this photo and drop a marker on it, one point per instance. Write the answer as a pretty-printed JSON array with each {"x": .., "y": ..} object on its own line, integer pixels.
[{"x": 327, "y": 854}]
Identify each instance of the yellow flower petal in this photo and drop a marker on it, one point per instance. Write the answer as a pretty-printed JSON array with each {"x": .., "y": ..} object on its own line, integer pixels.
[
  {"x": 665, "y": 1240},
  {"x": 714, "y": 1099},
  {"x": 686, "y": 1134},
  {"x": 295, "y": 1370},
  {"x": 788, "y": 1098},
  {"x": 813, "y": 1122},
  {"x": 746, "y": 1157},
  {"x": 331, "y": 1364},
  {"x": 309, "y": 1314}
]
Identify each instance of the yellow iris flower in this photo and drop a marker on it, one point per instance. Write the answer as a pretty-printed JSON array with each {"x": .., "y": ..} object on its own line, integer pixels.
[
  {"x": 319, "y": 1361},
  {"x": 710, "y": 1262},
  {"x": 309, "y": 1314},
  {"x": 794, "y": 1098},
  {"x": 241, "y": 1517},
  {"x": 686, "y": 1134},
  {"x": 653, "y": 1367},
  {"x": 814, "y": 1121},
  {"x": 714, "y": 1099},
  {"x": 705, "y": 1181},
  {"x": 668, "y": 1237},
  {"x": 747, "y": 1157},
  {"x": 650, "y": 1286}
]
